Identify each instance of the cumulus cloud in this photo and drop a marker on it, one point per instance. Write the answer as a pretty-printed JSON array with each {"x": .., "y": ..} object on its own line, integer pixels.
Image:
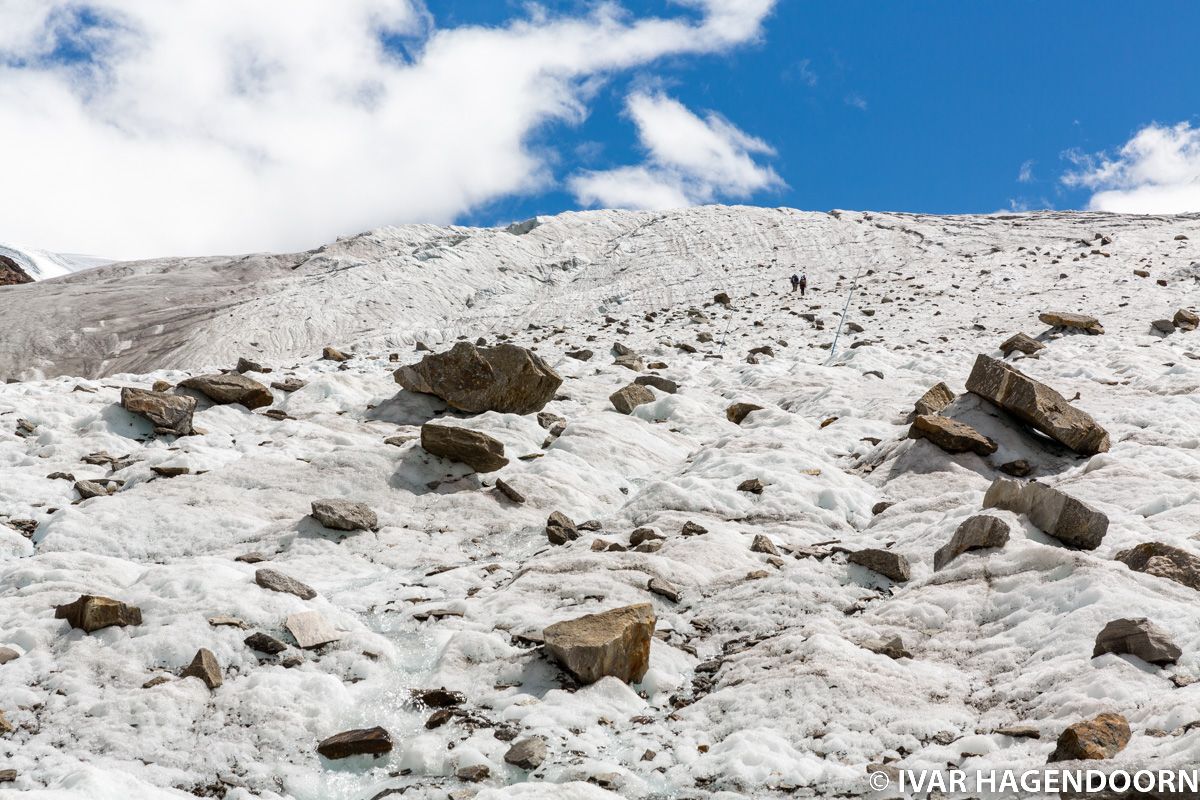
[
  {"x": 136, "y": 127},
  {"x": 690, "y": 160},
  {"x": 1155, "y": 172}
]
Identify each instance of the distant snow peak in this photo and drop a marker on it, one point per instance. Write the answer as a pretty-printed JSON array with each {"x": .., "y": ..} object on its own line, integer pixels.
[{"x": 39, "y": 265}]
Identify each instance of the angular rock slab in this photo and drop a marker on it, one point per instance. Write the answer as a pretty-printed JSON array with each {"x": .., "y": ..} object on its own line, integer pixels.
[
  {"x": 505, "y": 378},
  {"x": 310, "y": 629},
  {"x": 613, "y": 643},
  {"x": 951, "y": 435},
  {"x": 92, "y": 613},
  {"x": 888, "y": 564},
  {"x": 229, "y": 387},
  {"x": 359, "y": 742},
  {"x": 1037, "y": 405},
  {"x": 344, "y": 515},
  {"x": 205, "y": 667},
  {"x": 1100, "y": 737},
  {"x": 1163, "y": 561},
  {"x": 936, "y": 398},
  {"x": 170, "y": 414},
  {"x": 527, "y": 754},
  {"x": 1137, "y": 637},
  {"x": 278, "y": 582},
  {"x": 976, "y": 533},
  {"x": 1071, "y": 521},
  {"x": 1079, "y": 322},
  {"x": 478, "y": 451},
  {"x": 1021, "y": 343}
]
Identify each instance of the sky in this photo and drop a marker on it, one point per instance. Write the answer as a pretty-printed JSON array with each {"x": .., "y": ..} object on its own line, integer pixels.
[{"x": 137, "y": 128}]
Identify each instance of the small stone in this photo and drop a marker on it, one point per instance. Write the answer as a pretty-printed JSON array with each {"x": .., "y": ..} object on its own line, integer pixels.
[
  {"x": 1137, "y": 637},
  {"x": 560, "y": 529},
  {"x": 363, "y": 741},
  {"x": 7, "y": 654},
  {"x": 1186, "y": 320},
  {"x": 977, "y": 532},
  {"x": 751, "y": 485},
  {"x": 477, "y": 450},
  {"x": 226, "y": 621},
  {"x": 738, "y": 412},
  {"x": 934, "y": 400},
  {"x": 170, "y": 414},
  {"x": 762, "y": 544},
  {"x": 888, "y": 564},
  {"x": 333, "y": 354},
  {"x": 1019, "y": 468},
  {"x": 92, "y": 613},
  {"x": 508, "y": 491},
  {"x": 626, "y": 399},
  {"x": 1098, "y": 738},
  {"x": 439, "y": 698},
  {"x": 310, "y": 629},
  {"x": 892, "y": 648},
  {"x": 1019, "y": 732},
  {"x": 289, "y": 385},
  {"x": 880, "y": 507},
  {"x": 89, "y": 489},
  {"x": 1163, "y": 325},
  {"x": 246, "y": 365},
  {"x": 692, "y": 529},
  {"x": 652, "y": 546},
  {"x": 205, "y": 667},
  {"x": 278, "y": 582},
  {"x": 264, "y": 644},
  {"x": 527, "y": 754},
  {"x": 474, "y": 773},
  {"x": 658, "y": 382},
  {"x": 161, "y": 386},
  {"x": 643, "y": 535},
  {"x": 344, "y": 515},
  {"x": 951, "y": 435},
  {"x": 251, "y": 558},
  {"x": 1080, "y": 322},
  {"x": 1021, "y": 343},
  {"x": 580, "y": 355},
  {"x": 170, "y": 472},
  {"x": 663, "y": 588},
  {"x": 615, "y": 643},
  {"x": 1163, "y": 561},
  {"x": 157, "y": 680}
]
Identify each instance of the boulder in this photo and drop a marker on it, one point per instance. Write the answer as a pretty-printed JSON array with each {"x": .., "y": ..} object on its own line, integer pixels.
[
  {"x": 951, "y": 435},
  {"x": 310, "y": 629},
  {"x": 170, "y": 414},
  {"x": 439, "y": 698},
  {"x": 205, "y": 667},
  {"x": 892, "y": 648},
  {"x": 333, "y": 354},
  {"x": 1137, "y": 637},
  {"x": 264, "y": 644},
  {"x": 506, "y": 489},
  {"x": 91, "y": 613},
  {"x": 1163, "y": 325},
  {"x": 1163, "y": 561},
  {"x": 658, "y": 382},
  {"x": 1097, "y": 738},
  {"x": 504, "y": 378},
  {"x": 246, "y": 365},
  {"x": 363, "y": 741},
  {"x": 89, "y": 489},
  {"x": 580, "y": 355},
  {"x": 1186, "y": 320},
  {"x": 477, "y": 450},
  {"x": 663, "y": 588},
  {"x": 1018, "y": 468},
  {"x": 1079, "y": 322},
  {"x": 752, "y": 486},
  {"x": 289, "y": 385},
  {"x": 527, "y": 754},
  {"x": 976, "y": 533},
  {"x": 344, "y": 515},
  {"x": 1071, "y": 521},
  {"x": 631, "y": 361},
  {"x": 934, "y": 400},
  {"x": 888, "y": 564},
  {"x": 1037, "y": 405},
  {"x": 761, "y": 543},
  {"x": 230, "y": 387},
  {"x": 613, "y": 643},
  {"x": 737, "y": 412},
  {"x": 630, "y": 397},
  {"x": 278, "y": 582},
  {"x": 1020, "y": 343},
  {"x": 560, "y": 529}
]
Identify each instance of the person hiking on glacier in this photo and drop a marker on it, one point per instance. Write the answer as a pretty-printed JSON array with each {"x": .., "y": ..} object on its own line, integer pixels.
[{"x": 795, "y": 281}]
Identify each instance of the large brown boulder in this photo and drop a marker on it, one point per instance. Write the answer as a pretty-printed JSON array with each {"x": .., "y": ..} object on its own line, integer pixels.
[
  {"x": 630, "y": 397},
  {"x": 1037, "y": 405},
  {"x": 1097, "y": 738},
  {"x": 1137, "y": 637},
  {"x": 477, "y": 450},
  {"x": 1163, "y": 561},
  {"x": 360, "y": 742},
  {"x": 885, "y": 562},
  {"x": 1186, "y": 319},
  {"x": 91, "y": 613},
  {"x": 951, "y": 435},
  {"x": 170, "y": 414},
  {"x": 615, "y": 643},
  {"x": 1071, "y": 521},
  {"x": 979, "y": 532},
  {"x": 504, "y": 378},
  {"x": 229, "y": 387},
  {"x": 1079, "y": 322}
]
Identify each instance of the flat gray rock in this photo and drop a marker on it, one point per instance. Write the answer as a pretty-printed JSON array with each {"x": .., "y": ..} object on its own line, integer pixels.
[
  {"x": 278, "y": 582},
  {"x": 310, "y": 629},
  {"x": 344, "y": 515}
]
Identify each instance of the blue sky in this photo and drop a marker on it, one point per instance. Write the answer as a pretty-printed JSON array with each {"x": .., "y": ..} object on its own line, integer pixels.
[
  {"x": 144, "y": 129},
  {"x": 933, "y": 107}
]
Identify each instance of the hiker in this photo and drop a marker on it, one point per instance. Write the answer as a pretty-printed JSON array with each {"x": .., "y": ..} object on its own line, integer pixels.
[
  {"x": 803, "y": 284},
  {"x": 795, "y": 281}
]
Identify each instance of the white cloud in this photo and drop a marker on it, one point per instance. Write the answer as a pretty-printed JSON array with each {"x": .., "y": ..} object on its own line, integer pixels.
[
  {"x": 689, "y": 160},
  {"x": 1155, "y": 172},
  {"x": 1026, "y": 173},
  {"x": 200, "y": 126},
  {"x": 856, "y": 100}
]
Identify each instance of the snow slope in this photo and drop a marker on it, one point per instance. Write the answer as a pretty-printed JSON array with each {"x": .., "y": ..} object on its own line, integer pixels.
[
  {"x": 40, "y": 264},
  {"x": 759, "y": 685}
]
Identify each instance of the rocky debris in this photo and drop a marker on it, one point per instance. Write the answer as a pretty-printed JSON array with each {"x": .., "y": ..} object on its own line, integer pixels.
[
  {"x": 1163, "y": 325},
  {"x": 89, "y": 489},
  {"x": 554, "y": 423},
  {"x": 170, "y": 414},
  {"x": 92, "y": 613},
  {"x": 763, "y": 544},
  {"x": 246, "y": 365},
  {"x": 615, "y": 643},
  {"x": 1020, "y": 343},
  {"x": 1079, "y": 322},
  {"x": 473, "y": 773},
  {"x": 1137, "y": 637},
  {"x": 333, "y": 354},
  {"x": 1037, "y": 405},
  {"x": 1071, "y": 521},
  {"x": 893, "y": 648},
  {"x": 310, "y": 629},
  {"x": 888, "y": 564},
  {"x": 278, "y": 582},
  {"x": 1100, "y": 737},
  {"x": 289, "y": 385},
  {"x": 344, "y": 515},
  {"x": 477, "y": 450},
  {"x": 936, "y": 398},
  {"x": 226, "y": 387},
  {"x": 1018, "y": 468},
  {"x": 737, "y": 412},
  {"x": 663, "y": 588},
  {"x": 527, "y": 754},
  {"x": 1163, "y": 561},
  {"x": 951, "y": 435},
  {"x": 360, "y": 742},
  {"x": 1186, "y": 320},
  {"x": 630, "y": 397},
  {"x": 975, "y": 533},
  {"x": 205, "y": 667},
  {"x": 11, "y": 273},
  {"x": 752, "y": 486},
  {"x": 692, "y": 529},
  {"x": 658, "y": 382},
  {"x": 580, "y": 355},
  {"x": 264, "y": 644},
  {"x": 439, "y": 698},
  {"x": 504, "y": 378},
  {"x": 506, "y": 489},
  {"x": 560, "y": 529}
]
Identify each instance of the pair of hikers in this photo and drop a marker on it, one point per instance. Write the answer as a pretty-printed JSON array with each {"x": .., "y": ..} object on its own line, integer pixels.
[{"x": 799, "y": 282}]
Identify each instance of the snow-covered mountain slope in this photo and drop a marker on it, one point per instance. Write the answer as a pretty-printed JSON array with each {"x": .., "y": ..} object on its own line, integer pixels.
[
  {"x": 40, "y": 264},
  {"x": 760, "y": 681}
]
